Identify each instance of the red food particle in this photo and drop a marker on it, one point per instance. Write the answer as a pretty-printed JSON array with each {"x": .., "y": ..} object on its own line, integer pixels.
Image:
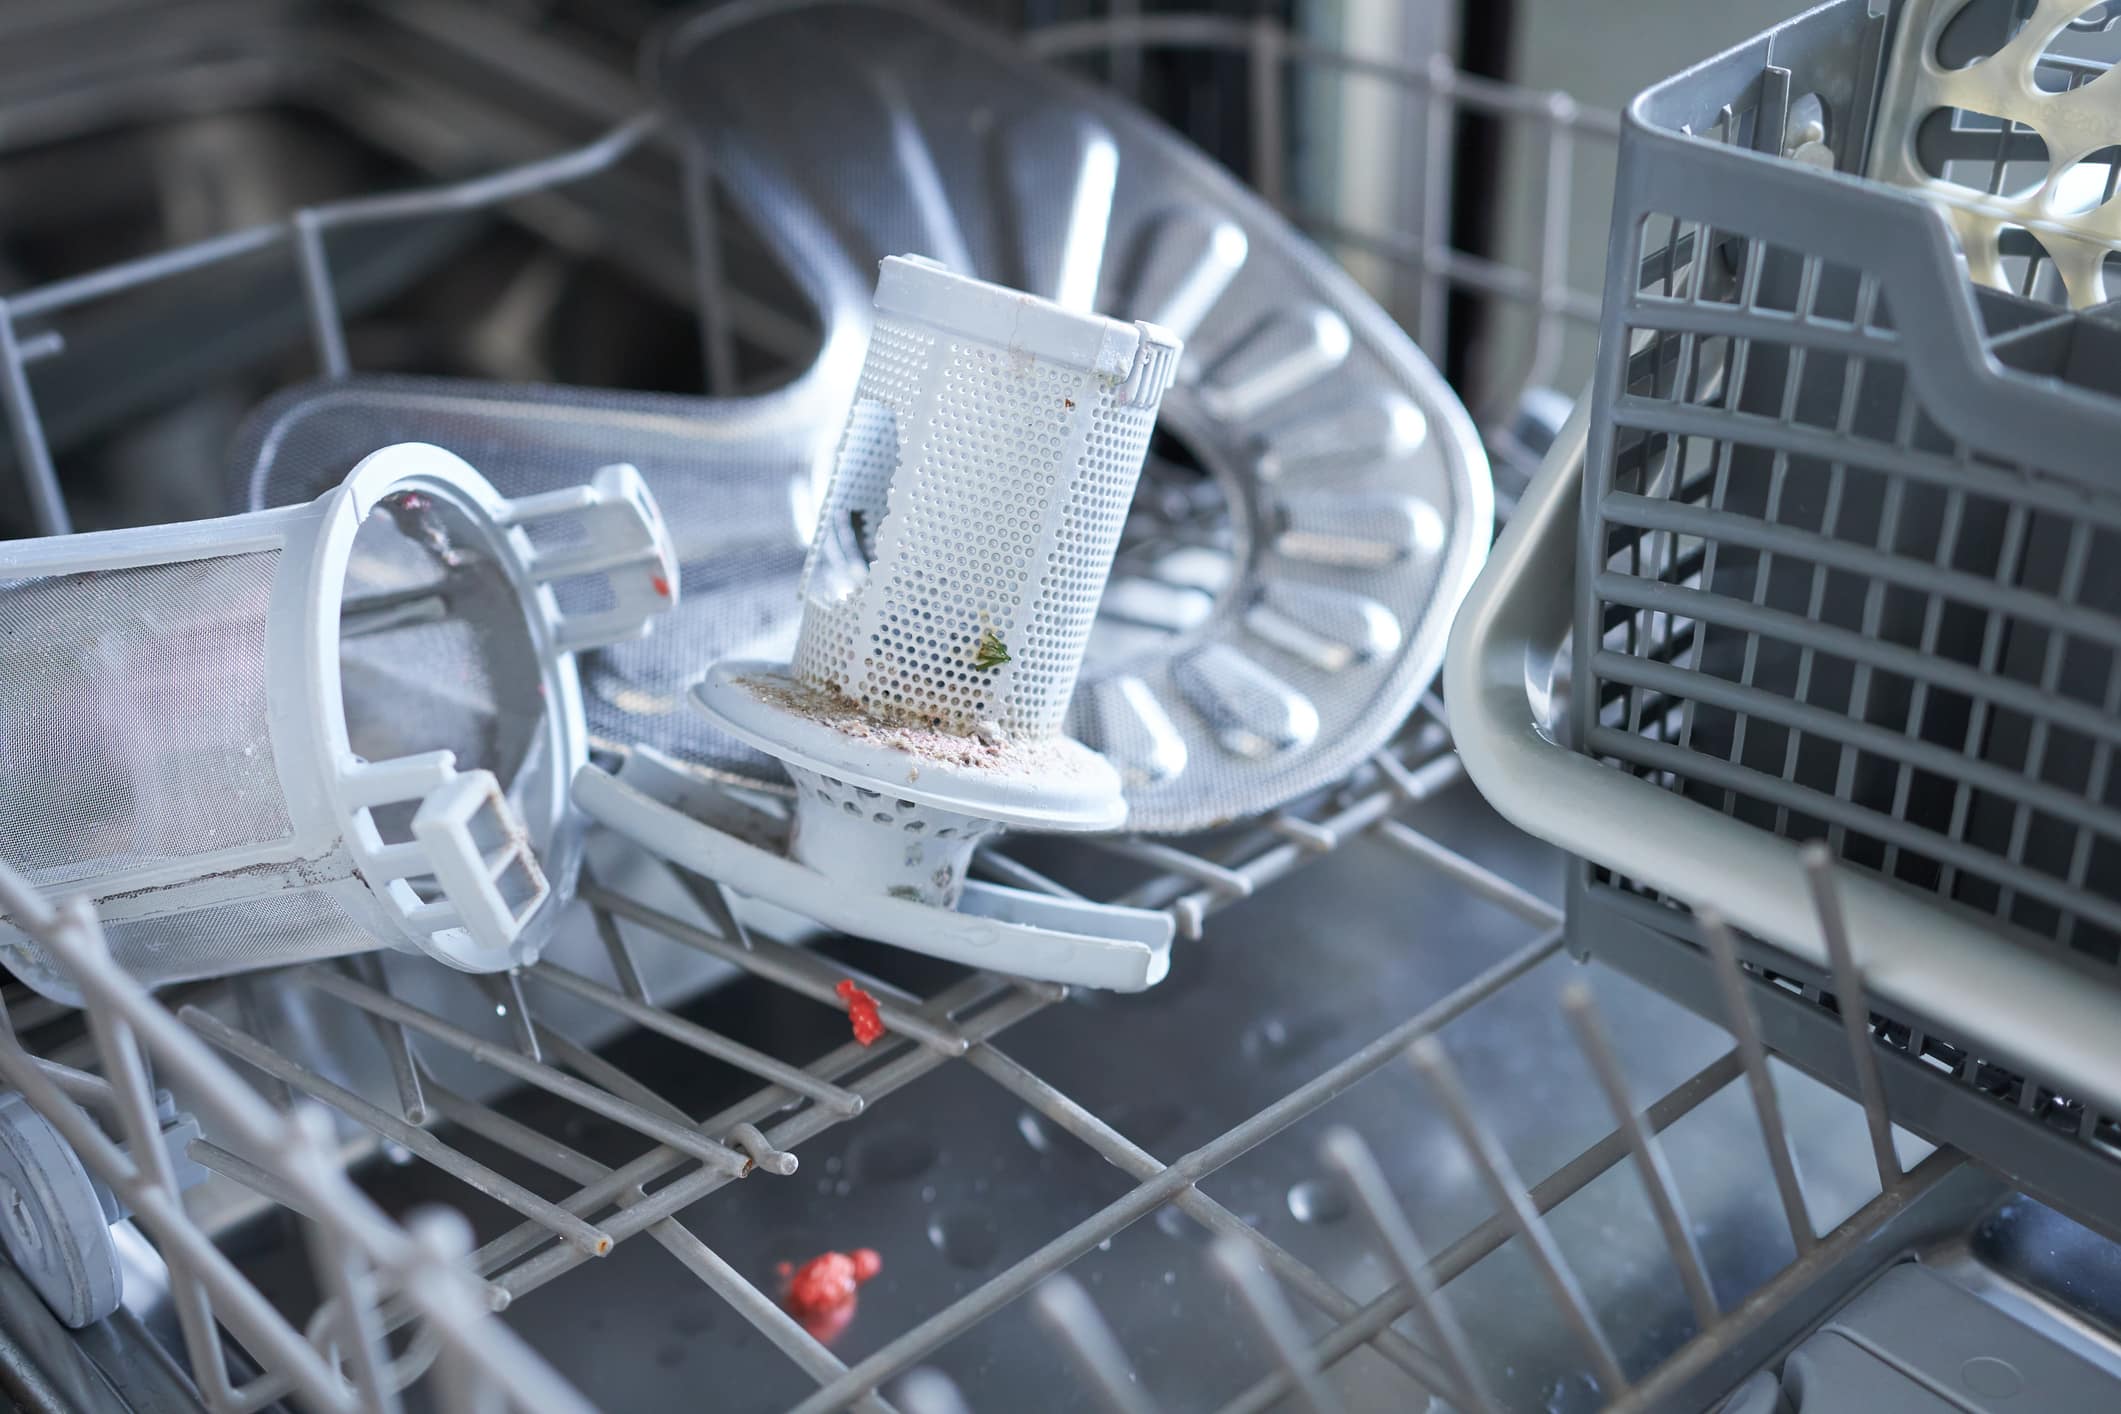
[
  {"x": 660, "y": 585},
  {"x": 820, "y": 1294},
  {"x": 861, "y": 1011}
]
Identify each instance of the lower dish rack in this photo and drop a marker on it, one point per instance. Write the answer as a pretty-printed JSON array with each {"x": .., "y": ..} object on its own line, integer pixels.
[{"x": 1378, "y": 1141}]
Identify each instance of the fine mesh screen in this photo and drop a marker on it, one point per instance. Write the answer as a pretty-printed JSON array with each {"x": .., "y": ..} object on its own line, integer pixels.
[
  {"x": 270, "y": 931},
  {"x": 132, "y": 717}
]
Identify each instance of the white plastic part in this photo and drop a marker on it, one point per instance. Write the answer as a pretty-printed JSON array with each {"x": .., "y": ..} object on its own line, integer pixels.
[
  {"x": 981, "y": 484},
  {"x": 242, "y": 765},
  {"x": 2065, "y": 208}
]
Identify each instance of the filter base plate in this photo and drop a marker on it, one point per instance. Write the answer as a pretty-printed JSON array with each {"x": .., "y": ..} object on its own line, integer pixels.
[{"x": 1053, "y": 785}]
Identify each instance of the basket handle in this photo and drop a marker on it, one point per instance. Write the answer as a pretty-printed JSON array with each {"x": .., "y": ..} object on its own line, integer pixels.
[{"x": 2039, "y": 1015}]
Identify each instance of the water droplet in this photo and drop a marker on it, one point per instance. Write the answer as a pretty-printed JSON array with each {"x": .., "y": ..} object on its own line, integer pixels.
[
  {"x": 1034, "y": 1131},
  {"x": 927, "y": 1193},
  {"x": 1268, "y": 1034},
  {"x": 835, "y": 1164},
  {"x": 1105, "y": 1246},
  {"x": 397, "y": 1153},
  {"x": 1274, "y": 1040},
  {"x": 842, "y": 1188},
  {"x": 892, "y": 1154},
  {"x": 967, "y": 1237},
  {"x": 1317, "y": 1200},
  {"x": 1170, "y": 1278}
]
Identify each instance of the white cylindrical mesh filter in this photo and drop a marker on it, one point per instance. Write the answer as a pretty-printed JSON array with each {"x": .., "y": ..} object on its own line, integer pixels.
[
  {"x": 313, "y": 731},
  {"x": 978, "y": 496}
]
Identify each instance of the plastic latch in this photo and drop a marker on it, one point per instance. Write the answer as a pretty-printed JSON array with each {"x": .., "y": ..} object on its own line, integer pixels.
[
  {"x": 480, "y": 855},
  {"x": 610, "y": 566}
]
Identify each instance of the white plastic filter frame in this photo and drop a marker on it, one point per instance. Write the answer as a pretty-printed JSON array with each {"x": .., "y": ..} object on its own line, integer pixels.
[
  {"x": 981, "y": 484},
  {"x": 501, "y": 855}
]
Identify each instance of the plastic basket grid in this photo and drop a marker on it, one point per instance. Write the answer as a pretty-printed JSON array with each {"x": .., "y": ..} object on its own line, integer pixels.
[{"x": 1826, "y": 599}]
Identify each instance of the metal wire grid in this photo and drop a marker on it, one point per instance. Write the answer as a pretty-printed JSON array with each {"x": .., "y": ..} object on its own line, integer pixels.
[
  {"x": 364, "y": 1262},
  {"x": 690, "y": 1159}
]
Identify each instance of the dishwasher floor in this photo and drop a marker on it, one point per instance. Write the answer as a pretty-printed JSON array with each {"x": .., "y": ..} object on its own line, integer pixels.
[{"x": 952, "y": 1178}]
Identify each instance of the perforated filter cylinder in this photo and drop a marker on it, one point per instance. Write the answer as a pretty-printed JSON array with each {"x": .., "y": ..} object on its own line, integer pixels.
[
  {"x": 313, "y": 731},
  {"x": 980, "y": 487}
]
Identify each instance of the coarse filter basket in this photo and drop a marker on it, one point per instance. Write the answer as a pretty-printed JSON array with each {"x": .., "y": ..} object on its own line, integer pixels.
[
  {"x": 981, "y": 483},
  {"x": 313, "y": 731}
]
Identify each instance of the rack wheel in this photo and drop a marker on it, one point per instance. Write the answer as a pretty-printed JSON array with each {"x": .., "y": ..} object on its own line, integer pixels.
[{"x": 52, "y": 1218}]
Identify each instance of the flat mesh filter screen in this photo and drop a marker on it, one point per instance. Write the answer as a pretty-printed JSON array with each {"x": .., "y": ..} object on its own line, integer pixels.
[
  {"x": 271, "y": 931},
  {"x": 132, "y": 716}
]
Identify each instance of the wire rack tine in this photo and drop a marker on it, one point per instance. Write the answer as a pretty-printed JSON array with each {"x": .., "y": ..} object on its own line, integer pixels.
[
  {"x": 670, "y": 1234},
  {"x": 566, "y": 1087},
  {"x": 397, "y": 1045},
  {"x": 1477, "y": 878},
  {"x": 1234, "y": 1262},
  {"x": 461, "y": 1167},
  {"x": 1657, "y": 1182},
  {"x": 1855, "y": 1010},
  {"x": 623, "y": 965},
  {"x": 1546, "y": 1195},
  {"x": 1006, "y": 1286},
  {"x": 132, "y": 1019},
  {"x": 659, "y": 1163},
  {"x": 505, "y": 990},
  {"x": 700, "y": 1038},
  {"x": 792, "y": 968},
  {"x": 1345, "y": 1153},
  {"x": 690, "y": 1188},
  {"x": 340, "y": 1274},
  {"x": 1071, "y": 1319},
  {"x": 126, "y": 1068},
  {"x": 446, "y": 1237},
  {"x": 1745, "y": 1029},
  {"x": 1510, "y": 1198},
  {"x": 1129, "y": 1157}
]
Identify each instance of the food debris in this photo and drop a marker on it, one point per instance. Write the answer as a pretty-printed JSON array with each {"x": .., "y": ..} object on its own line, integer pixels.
[
  {"x": 861, "y": 1011},
  {"x": 820, "y": 1294},
  {"x": 990, "y": 652},
  {"x": 660, "y": 585}
]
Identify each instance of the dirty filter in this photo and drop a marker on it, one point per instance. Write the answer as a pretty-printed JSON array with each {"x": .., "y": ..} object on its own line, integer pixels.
[
  {"x": 981, "y": 483},
  {"x": 317, "y": 730}
]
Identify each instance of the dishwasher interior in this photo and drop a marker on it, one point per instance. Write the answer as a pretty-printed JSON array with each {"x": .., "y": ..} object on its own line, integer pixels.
[{"x": 1428, "y": 1112}]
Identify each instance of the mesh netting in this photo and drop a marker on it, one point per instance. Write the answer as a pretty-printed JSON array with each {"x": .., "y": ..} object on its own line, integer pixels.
[{"x": 133, "y": 717}]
